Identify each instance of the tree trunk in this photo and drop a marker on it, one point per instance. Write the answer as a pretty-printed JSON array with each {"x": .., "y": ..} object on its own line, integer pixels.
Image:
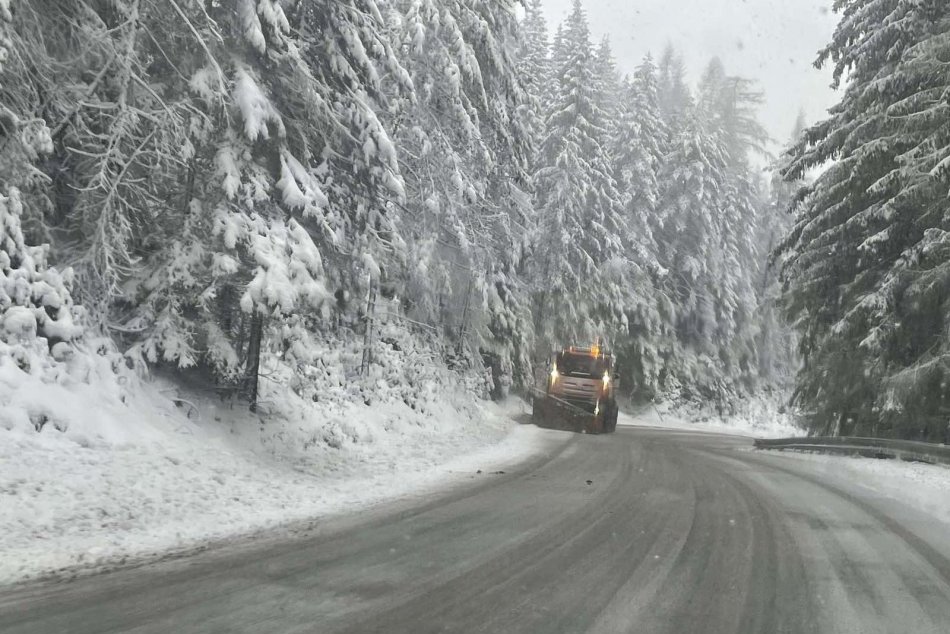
[
  {"x": 253, "y": 365},
  {"x": 464, "y": 325},
  {"x": 368, "y": 333}
]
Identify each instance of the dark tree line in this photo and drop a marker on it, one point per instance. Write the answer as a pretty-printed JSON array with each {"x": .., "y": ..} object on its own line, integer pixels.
[{"x": 868, "y": 264}]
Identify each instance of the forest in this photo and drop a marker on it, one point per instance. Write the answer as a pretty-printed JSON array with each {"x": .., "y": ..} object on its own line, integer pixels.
[{"x": 226, "y": 188}]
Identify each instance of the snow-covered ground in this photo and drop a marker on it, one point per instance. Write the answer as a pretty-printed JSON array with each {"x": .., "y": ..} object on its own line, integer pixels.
[
  {"x": 132, "y": 481},
  {"x": 135, "y": 480},
  {"x": 922, "y": 486},
  {"x": 760, "y": 418}
]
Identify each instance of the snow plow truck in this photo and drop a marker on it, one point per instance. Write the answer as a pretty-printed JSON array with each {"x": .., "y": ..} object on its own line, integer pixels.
[{"x": 578, "y": 393}]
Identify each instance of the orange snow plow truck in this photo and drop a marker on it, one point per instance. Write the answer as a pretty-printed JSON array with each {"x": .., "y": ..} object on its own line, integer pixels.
[{"x": 578, "y": 393}]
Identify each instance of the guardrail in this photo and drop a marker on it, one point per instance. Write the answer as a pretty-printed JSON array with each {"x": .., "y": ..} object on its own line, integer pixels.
[{"x": 867, "y": 447}]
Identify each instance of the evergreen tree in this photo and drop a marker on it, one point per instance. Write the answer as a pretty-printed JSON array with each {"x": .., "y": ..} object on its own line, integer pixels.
[
  {"x": 637, "y": 150},
  {"x": 637, "y": 157},
  {"x": 675, "y": 100},
  {"x": 694, "y": 181},
  {"x": 534, "y": 68},
  {"x": 867, "y": 256},
  {"x": 730, "y": 104},
  {"x": 465, "y": 135},
  {"x": 776, "y": 341},
  {"x": 608, "y": 86},
  {"x": 41, "y": 327},
  {"x": 556, "y": 67},
  {"x": 580, "y": 223},
  {"x": 206, "y": 202},
  {"x": 710, "y": 207}
]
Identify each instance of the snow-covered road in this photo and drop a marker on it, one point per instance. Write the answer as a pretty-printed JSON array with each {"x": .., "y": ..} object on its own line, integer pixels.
[
  {"x": 169, "y": 485},
  {"x": 649, "y": 531}
]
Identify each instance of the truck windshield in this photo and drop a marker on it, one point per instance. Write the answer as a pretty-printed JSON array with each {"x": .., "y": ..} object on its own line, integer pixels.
[{"x": 581, "y": 365}]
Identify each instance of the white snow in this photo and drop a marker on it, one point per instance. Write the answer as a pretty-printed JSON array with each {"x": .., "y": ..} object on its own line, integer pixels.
[
  {"x": 256, "y": 109},
  {"x": 253, "y": 30},
  {"x": 19, "y": 322},
  {"x": 137, "y": 480},
  {"x": 921, "y": 486},
  {"x": 758, "y": 417}
]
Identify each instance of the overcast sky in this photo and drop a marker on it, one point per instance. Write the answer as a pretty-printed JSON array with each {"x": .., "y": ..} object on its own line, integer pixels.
[{"x": 772, "y": 41}]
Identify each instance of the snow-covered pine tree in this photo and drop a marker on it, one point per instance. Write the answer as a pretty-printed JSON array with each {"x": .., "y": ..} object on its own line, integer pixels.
[
  {"x": 608, "y": 86},
  {"x": 534, "y": 68},
  {"x": 246, "y": 178},
  {"x": 729, "y": 105},
  {"x": 739, "y": 265},
  {"x": 287, "y": 185},
  {"x": 41, "y": 329},
  {"x": 465, "y": 141},
  {"x": 512, "y": 138},
  {"x": 558, "y": 59},
  {"x": 264, "y": 203},
  {"x": 359, "y": 77},
  {"x": 509, "y": 331},
  {"x": 38, "y": 321},
  {"x": 636, "y": 159},
  {"x": 867, "y": 258},
  {"x": 776, "y": 341},
  {"x": 579, "y": 214},
  {"x": 708, "y": 210},
  {"x": 675, "y": 100},
  {"x": 117, "y": 134},
  {"x": 644, "y": 110},
  {"x": 694, "y": 182},
  {"x": 637, "y": 150},
  {"x": 535, "y": 72},
  {"x": 711, "y": 90},
  {"x": 710, "y": 206}
]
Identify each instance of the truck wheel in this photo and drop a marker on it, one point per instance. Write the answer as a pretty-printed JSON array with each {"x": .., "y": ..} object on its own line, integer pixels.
[{"x": 611, "y": 419}]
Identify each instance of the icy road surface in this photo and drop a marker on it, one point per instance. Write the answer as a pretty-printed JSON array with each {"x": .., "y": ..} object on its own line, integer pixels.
[{"x": 648, "y": 530}]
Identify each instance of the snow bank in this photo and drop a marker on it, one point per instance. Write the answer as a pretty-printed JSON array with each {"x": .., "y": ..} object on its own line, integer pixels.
[
  {"x": 921, "y": 486},
  {"x": 134, "y": 479},
  {"x": 762, "y": 417}
]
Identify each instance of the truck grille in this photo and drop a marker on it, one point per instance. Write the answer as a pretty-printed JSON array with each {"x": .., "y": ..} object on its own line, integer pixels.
[{"x": 572, "y": 389}]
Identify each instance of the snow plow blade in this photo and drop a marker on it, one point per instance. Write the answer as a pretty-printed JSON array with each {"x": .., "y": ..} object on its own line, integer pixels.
[{"x": 554, "y": 413}]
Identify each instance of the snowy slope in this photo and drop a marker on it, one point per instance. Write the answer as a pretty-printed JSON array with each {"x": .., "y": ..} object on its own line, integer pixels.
[
  {"x": 758, "y": 417},
  {"x": 151, "y": 479}
]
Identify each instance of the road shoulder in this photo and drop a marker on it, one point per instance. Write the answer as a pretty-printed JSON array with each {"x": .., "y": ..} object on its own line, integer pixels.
[{"x": 79, "y": 511}]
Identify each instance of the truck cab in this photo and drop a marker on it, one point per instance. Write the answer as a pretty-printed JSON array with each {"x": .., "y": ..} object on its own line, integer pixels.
[{"x": 582, "y": 378}]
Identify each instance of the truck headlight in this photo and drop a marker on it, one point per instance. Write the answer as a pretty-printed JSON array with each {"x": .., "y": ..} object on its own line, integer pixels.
[{"x": 606, "y": 379}]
